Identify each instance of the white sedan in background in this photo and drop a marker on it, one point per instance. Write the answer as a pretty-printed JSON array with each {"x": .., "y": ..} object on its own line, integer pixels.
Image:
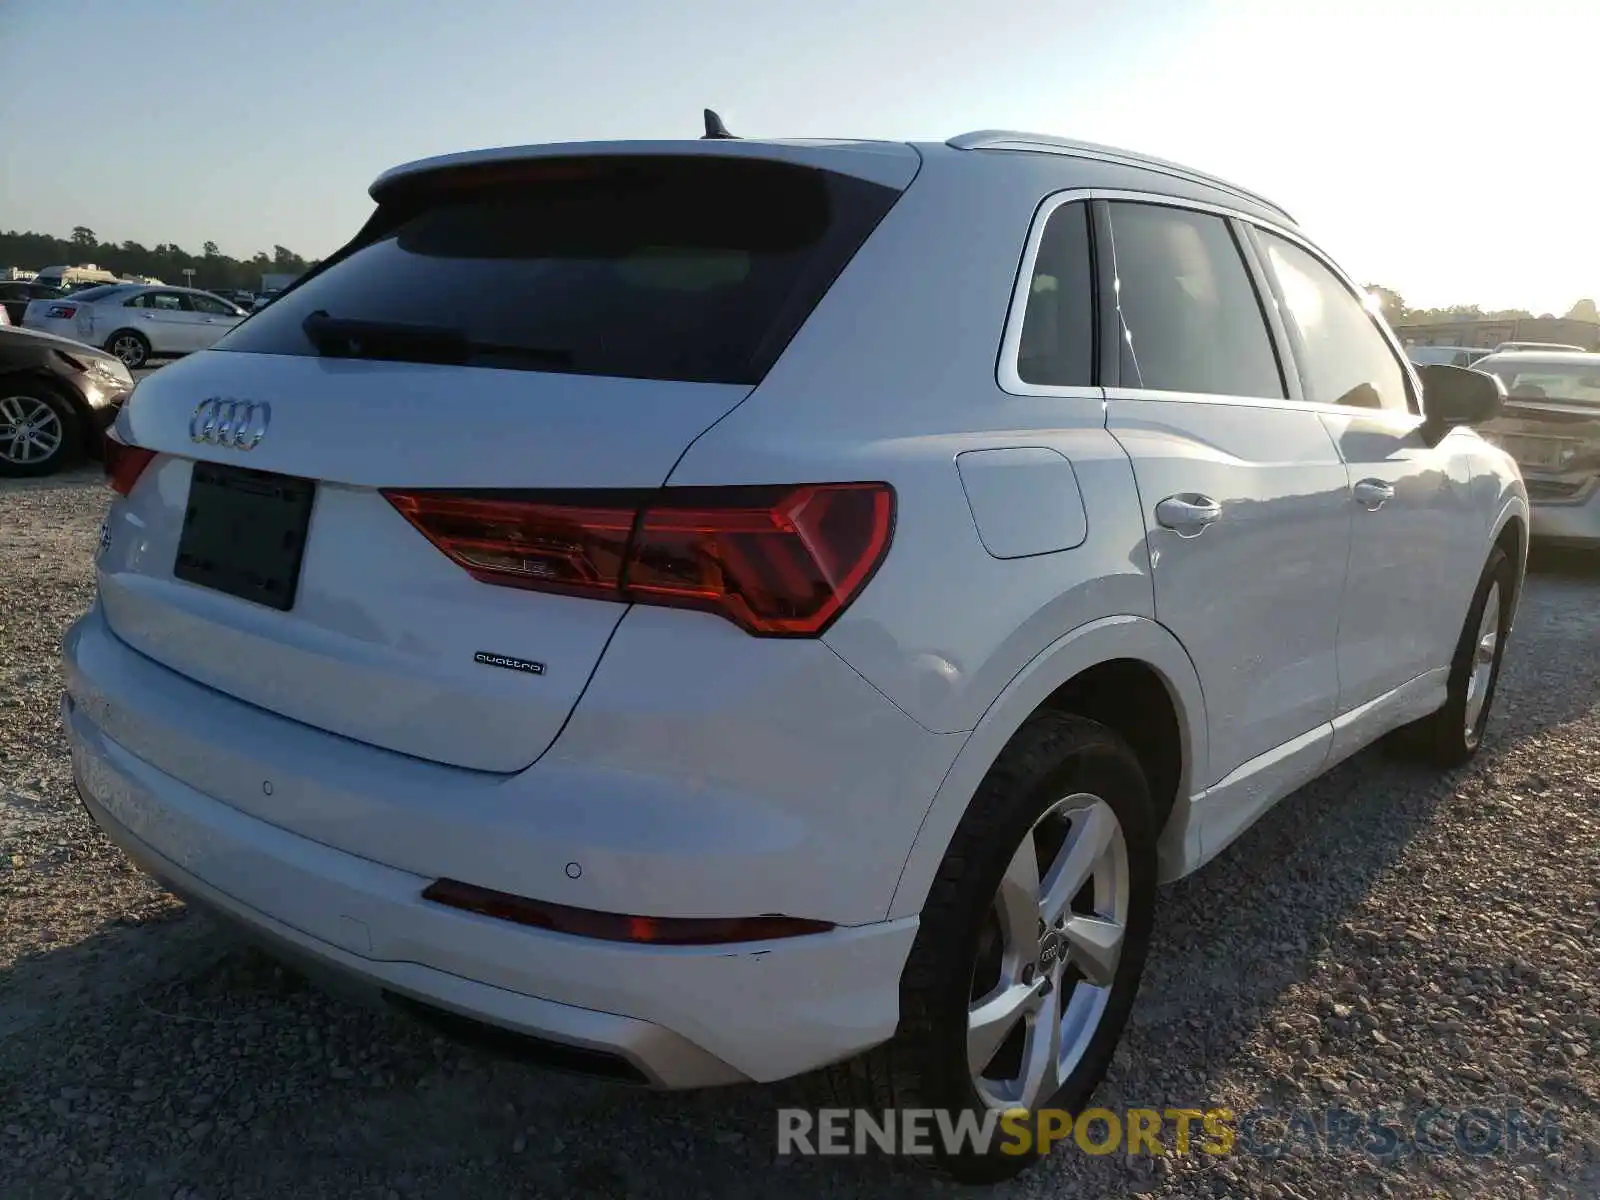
[{"x": 136, "y": 322}]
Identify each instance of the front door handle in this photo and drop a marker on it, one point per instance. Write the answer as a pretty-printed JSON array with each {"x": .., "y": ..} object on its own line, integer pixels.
[
  {"x": 1188, "y": 513},
  {"x": 1371, "y": 494}
]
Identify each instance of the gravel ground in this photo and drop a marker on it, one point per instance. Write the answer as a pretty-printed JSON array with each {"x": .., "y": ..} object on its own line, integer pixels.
[{"x": 1386, "y": 938}]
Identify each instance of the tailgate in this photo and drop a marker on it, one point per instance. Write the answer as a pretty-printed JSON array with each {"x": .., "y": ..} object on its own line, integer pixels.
[
  {"x": 567, "y": 326},
  {"x": 383, "y": 638}
]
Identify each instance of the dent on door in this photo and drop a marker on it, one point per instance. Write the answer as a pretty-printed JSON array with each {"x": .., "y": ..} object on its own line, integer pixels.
[{"x": 1025, "y": 500}]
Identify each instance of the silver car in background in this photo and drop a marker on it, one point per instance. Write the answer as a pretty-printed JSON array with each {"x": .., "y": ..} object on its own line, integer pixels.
[
  {"x": 136, "y": 322},
  {"x": 1551, "y": 426}
]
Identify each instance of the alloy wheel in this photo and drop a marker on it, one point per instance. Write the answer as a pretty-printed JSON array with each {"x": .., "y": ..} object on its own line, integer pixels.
[
  {"x": 129, "y": 349},
  {"x": 30, "y": 430},
  {"x": 1048, "y": 954},
  {"x": 1483, "y": 656}
]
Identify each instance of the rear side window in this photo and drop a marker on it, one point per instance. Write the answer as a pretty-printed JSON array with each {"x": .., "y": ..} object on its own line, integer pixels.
[
  {"x": 668, "y": 267},
  {"x": 1057, "y": 346},
  {"x": 1191, "y": 317},
  {"x": 1342, "y": 357},
  {"x": 164, "y": 301}
]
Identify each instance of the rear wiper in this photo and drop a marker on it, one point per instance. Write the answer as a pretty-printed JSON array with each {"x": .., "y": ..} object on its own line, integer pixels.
[{"x": 349, "y": 337}]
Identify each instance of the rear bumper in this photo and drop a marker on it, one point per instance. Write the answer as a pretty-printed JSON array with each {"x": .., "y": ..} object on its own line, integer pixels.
[
  {"x": 66, "y": 327},
  {"x": 616, "y": 1046},
  {"x": 678, "y": 1016}
]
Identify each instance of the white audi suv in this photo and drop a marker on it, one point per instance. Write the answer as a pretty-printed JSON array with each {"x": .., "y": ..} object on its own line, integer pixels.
[{"x": 723, "y": 609}]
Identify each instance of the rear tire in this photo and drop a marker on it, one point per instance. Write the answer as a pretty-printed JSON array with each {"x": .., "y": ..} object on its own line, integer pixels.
[
  {"x": 40, "y": 431},
  {"x": 1061, "y": 788},
  {"x": 131, "y": 346},
  {"x": 1452, "y": 735}
]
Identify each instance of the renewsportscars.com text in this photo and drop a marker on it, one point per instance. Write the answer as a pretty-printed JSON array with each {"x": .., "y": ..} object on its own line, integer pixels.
[{"x": 1475, "y": 1132}]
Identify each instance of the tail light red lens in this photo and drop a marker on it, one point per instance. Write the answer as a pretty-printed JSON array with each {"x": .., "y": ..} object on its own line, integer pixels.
[
  {"x": 617, "y": 927},
  {"x": 123, "y": 463},
  {"x": 58, "y": 312},
  {"x": 778, "y": 562},
  {"x": 565, "y": 544}
]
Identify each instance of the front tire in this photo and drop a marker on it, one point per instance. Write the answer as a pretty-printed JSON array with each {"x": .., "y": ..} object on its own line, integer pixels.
[
  {"x": 131, "y": 346},
  {"x": 40, "y": 432},
  {"x": 1451, "y": 736},
  {"x": 1031, "y": 944}
]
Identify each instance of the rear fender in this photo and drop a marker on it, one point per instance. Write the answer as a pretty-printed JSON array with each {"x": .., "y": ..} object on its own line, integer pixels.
[{"x": 1121, "y": 637}]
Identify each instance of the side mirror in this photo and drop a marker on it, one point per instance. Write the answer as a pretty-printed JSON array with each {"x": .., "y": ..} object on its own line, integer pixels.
[{"x": 1454, "y": 396}]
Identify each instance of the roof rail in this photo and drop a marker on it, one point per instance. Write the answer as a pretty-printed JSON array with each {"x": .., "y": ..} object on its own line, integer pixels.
[{"x": 1043, "y": 143}]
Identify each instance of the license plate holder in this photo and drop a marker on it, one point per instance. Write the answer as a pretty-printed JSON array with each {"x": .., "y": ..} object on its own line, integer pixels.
[
  {"x": 244, "y": 533},
  {"x": 1542, "y": 454}
]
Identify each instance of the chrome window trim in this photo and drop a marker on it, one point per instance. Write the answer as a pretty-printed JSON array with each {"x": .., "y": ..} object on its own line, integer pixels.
[{"x": 1011, "y": 341}]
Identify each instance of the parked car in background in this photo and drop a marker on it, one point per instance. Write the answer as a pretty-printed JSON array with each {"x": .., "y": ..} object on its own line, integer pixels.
[
  {"x": 1454, "y": 356},
  {"x": 264, "y": 299},
  {"x": 15, "y": 295},
  {"x": 1002, "y": 594},
  {"x": 1539, "y": 346},
  {"x": 136, "y": 322},
  {"x": 74, "y": 277},
  {"x": 1551, "y": 426},
  {"x": 56, "y": 396}
]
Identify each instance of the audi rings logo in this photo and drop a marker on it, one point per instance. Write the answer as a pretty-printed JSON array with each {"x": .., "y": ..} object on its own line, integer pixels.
[{"x": 232, "y": 424}]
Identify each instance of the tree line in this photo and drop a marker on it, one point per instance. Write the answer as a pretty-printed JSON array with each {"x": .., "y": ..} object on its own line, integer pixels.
[
  {"x": 1397, "y": 312},
  {"x": 166, "y": 262}
]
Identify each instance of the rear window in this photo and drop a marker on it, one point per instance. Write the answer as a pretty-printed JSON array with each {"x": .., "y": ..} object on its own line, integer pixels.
[
  {"x": 1550, "y": 381},
  {"x": 96, "y": 292},
  {"x": 675, "y": 268}
]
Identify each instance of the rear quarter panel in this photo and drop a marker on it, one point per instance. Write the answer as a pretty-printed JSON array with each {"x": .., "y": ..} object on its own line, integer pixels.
[{"x": 890, "y": 379}]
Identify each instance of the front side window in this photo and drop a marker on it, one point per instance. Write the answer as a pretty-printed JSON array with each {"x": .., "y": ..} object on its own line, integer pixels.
[
  {"x": 1191, "y": 319},
  {"x": 1057, "y": 344},
  {"x": 1343, "y": 359},
  {"x": 211, "y": 306}
]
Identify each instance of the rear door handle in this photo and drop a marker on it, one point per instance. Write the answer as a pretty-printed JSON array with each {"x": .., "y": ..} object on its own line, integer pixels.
[
  {"x": 1371, "y": 494},
  {"x": 1188, "y": 513}
]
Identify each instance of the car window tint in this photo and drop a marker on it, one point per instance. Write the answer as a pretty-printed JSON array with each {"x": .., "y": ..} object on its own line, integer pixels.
[
  {"x": 1057, "y": 343},
  {"x": 1342, "y": 357},
  {"x": 165, "y": 301},
  {"x": 211, "y": 305},
  {"x": 680, "y": 267},
  {"x": 1191, "y": 319}
]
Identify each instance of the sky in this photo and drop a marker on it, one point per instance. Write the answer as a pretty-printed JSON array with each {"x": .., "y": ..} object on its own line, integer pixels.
[{"x": 1444, "y": 148}]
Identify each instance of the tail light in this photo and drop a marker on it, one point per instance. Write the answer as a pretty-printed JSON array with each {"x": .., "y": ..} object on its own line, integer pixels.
[
  {"x": 60, "y": 312},
  {"x": 123, "y": 463},
  {"x": 777, "y": 562}
]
